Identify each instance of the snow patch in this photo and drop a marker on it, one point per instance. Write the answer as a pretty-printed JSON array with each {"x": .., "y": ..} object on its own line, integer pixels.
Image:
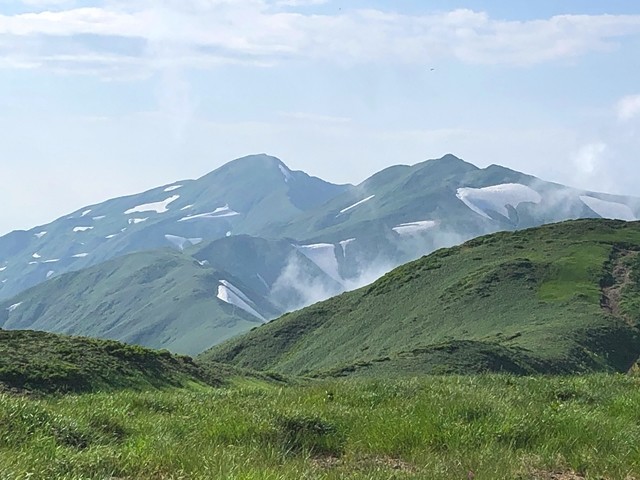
[
  {"x": 412, "y": 228},
  {"x": 85, "y": 213},
  {"x": 50, "y": 273},
  {"x": 133, "y": 221},
  {"x": 33, "y": 263},
  {"x": 113, "y": 235},
  {"x": 357, "y": 204},
  {"x": 99, "y": 217},
  {"x": 233, "y": 296},
  {"x": 80, "y": 255},
  {"x": 172, "y": 188},
  {"x": 82, "y": 229},
  {"x": 217, "y": 213},
  {"x": 40, "y": 235},
  {"x": 613, "y": 210},
  {"x": 53, "y": 260},
  {"x": 324, "y": 256},
  {"x": 187, "y": 207},
  {"x": 497, "y": 197},
  {"x": 36, "y": 255},
  {"x": 14, "y": 306},
  {"x": 158, "y": 207},
  {"x": 2, "y": 269},
  {"x": 285, "y": 173},
  {"x": 344, "y": 244}
]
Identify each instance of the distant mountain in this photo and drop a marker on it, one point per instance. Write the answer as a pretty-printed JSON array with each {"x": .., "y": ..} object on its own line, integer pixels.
[
  {"x": 242, "y": 197},
  {"x": 560, "y": 298},
  {"x": 184, "y": 302},
  {"x": 283, "y": 239}
]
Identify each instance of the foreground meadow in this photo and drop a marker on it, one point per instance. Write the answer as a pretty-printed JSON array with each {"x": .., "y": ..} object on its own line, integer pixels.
[{"x": 482, "y": 427}]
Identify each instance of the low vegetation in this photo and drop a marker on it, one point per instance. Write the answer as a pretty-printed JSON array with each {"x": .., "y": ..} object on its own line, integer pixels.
[
  {"x": 561, "y": 298},
  {"x": 444, "y": 427}
]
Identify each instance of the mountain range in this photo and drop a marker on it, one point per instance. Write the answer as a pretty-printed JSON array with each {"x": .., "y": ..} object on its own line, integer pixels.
[{"x": 188, "y": 265}]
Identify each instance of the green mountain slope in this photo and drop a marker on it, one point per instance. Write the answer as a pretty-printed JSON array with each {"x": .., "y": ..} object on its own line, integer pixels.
[
  {"x": 559, "y": 298},
  {"x": 45, "y": 362},
  {"x": 182, "y": 301},
  {"x": 160, "y": 299},
  {"x": 242, "y": 197}
]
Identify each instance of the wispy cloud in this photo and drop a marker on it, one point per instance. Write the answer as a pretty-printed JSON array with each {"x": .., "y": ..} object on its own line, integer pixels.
[
  {"x": 207, "y": 33},
  {"x": 628, "y": 107},
  {"x": 314, "y": 118}
]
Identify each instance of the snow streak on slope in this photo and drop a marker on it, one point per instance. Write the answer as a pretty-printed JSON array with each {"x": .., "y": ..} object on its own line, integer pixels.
[
  {"x": 233, "y": 296},
  {"x": 39, "y": 235},
  {"x": 497, "y": 197},
  {"x": 82, "y": 229},
  {"x": 414, "y": 227},
  {"x": 613, "y": 210},
  {"x": 344, "y": 244},
  {"x": 14, "y": 306},
  {"x": 217, "y": 213},
  {"x": 324, "y": 256},
  {"x": 357, "y": 204},
  {"x": 158, "y": 207},
  {"x": 285, "y": 173},
  {"x": 172, "y": 188}
]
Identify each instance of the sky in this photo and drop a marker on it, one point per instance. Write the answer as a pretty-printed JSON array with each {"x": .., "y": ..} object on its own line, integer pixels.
[{"x": 102, "y": 98}]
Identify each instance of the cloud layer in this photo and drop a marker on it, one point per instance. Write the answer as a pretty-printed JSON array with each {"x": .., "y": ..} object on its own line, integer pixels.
[{"x": 140, "y": 36}]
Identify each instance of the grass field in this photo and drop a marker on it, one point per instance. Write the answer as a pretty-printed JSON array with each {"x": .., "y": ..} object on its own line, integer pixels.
[{"x": 497, "y": 427}]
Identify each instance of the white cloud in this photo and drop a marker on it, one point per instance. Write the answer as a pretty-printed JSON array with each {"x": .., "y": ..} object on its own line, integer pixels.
[
  {"x": 588, "y": 158},
  {"x": 207, "y": 33},
  {"x": 628, "y": 107}
]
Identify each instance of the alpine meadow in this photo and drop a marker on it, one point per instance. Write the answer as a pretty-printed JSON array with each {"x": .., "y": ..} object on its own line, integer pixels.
[{"x": 318, "y": 239}]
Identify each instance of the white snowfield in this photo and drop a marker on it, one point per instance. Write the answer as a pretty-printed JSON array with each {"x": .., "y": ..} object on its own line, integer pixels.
[
  {"x": 82, "y": 229},
  {"x": 39, "y": 235},
  {"x": 85, "y": 213},
  {"x": 344, "y": 244},
  {"x": 220, "y": 212},
  {"x": 233, "y": 296},
  {"x": 80, "y": 255},
  {"x": 412, "y": 228},
  {"x": 497, "y": 197},
  {"x": 285, "y": 172},
  {"x": 14, "y": 306},
  {"x": 606, "y": 209},
  {"x": 113, "y": 235},
  {"x": 133, "y": 221},
  {"x": 181, "y": 242},
  {"x": 99, "y": 217},
  {"x": 36, "y": 255},
  {"x": 357, "y": 204},
  {"x": 53, "y": 260},
  {"x": 2, "y": 269},
  {"x": 172, "y": 188},
  {"x": 158, "y": 207},
  {"x": 324, "y": 256}
]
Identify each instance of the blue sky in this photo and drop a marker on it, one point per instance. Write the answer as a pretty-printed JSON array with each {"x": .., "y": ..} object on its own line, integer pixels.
[{"x": 108, "y": 97}]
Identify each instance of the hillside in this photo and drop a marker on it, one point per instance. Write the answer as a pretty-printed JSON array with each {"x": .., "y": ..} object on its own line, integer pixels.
[
  {"x": 559, "y": 298},
  {"x": 182, "y": 301},
  {"x": 241, "y": 197},
  {"x": 44, "y": 362}
]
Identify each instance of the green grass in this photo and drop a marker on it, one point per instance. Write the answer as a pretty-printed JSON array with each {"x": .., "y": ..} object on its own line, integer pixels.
[
  {"x": 499, "y": 427},
  {"x": 520, "y": 302},
  {"x": 40, "y": 362}
]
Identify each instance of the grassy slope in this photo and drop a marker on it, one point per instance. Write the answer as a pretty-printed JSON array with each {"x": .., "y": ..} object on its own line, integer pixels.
[
  {"x": 45, "y": 362},
  {"x": 498, "y": 427},
  {"x": 160, "y": 299},
  {"x": 521, "y": 302}
]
